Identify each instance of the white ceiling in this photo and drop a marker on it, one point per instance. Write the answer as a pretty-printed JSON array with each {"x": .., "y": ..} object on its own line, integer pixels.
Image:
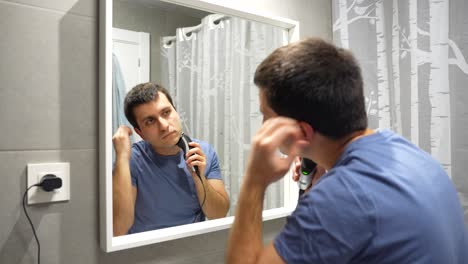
[{"x": 156, "y": 4}]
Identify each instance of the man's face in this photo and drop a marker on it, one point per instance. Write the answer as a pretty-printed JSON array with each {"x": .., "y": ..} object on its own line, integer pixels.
[{"x": 158, "y": 122}]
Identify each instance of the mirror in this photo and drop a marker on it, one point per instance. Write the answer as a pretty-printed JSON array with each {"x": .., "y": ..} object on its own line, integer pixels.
[{"x": 205, "y": 55}]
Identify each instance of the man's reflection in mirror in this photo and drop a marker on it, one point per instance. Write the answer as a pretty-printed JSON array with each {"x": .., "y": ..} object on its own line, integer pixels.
[{"x": 154, "y": 185}]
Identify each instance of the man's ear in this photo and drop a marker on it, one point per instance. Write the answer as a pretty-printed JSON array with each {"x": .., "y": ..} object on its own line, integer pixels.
[
  {"x": 308, "y": 131},
  {"x": 138, "y": 131}
]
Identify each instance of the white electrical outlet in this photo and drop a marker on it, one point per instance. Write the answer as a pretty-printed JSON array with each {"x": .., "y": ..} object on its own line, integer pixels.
[{"x": 37, "y": 171}]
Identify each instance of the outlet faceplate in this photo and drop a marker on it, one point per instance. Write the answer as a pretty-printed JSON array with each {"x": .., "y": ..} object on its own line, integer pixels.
[{"x": 38, "y": 170}]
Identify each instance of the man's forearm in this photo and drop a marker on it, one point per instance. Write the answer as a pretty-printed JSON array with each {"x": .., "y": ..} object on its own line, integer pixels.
[
  {"x": 245, "y": 239},
  {"x": 216, "y": 204},
  {"x": 122, "y": 198}
]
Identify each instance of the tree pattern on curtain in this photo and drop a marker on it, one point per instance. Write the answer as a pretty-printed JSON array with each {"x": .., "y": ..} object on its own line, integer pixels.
[
  {"x": 413, "y": 55},
  {"x": 210, "y": 73}
]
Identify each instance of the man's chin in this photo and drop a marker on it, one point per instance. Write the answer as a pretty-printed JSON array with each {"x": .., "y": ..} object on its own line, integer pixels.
[
  {"x": 172, "y": 139},
  {"x": 169, "y": 135}
]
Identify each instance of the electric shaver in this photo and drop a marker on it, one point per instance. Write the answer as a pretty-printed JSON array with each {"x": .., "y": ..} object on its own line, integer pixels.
[
  {"x": 308, "y": 168},
  {"x": 183, "y": 144}
]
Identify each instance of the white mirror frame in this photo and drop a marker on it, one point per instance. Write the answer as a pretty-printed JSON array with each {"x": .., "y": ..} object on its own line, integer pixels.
[{"x": 110, "y": 243}]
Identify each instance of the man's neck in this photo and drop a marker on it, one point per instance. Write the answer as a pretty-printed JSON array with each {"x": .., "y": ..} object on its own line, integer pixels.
[
  {"x": 166, "y": 151},
  {"x": 331, "y": 150}
]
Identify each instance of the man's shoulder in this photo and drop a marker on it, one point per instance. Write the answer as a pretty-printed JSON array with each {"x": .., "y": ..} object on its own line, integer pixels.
[
  {"x": 140, "y": 149},
  {"x": 203, "y": 144},
  {"x": 139, "y": 146},
  {"x": 341, "y": 180},
  {"x": 343, "y": 188}
]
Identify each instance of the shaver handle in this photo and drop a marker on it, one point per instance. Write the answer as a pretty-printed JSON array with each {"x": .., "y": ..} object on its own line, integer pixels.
[
  {"x": 304, "y": 181},
  {"x": 183, "y": 144}
]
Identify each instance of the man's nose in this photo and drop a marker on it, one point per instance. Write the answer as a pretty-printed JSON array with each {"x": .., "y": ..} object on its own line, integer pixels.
[{"x": 163, "y": 124}]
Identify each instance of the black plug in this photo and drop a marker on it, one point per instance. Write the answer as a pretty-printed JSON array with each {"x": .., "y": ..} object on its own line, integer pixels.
[{"x": 50, "y": 182}]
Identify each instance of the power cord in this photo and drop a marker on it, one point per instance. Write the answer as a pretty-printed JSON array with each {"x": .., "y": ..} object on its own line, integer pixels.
[
  {"x": 30, "y": 222},
  {"x": 203, "y": 202},
  {"x": 48, "y": 183},
  {"x": 183, "y": 144}
]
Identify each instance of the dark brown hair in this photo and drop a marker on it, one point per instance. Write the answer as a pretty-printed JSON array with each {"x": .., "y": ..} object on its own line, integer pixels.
[
  {"x": 141, "y": 94},
  {"x": 315, "y": 82}
]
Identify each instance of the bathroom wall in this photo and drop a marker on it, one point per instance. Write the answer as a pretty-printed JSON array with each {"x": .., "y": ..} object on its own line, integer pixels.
[
  {"x": 49, "y": 113},
  {"x": 157, "y": 22}
]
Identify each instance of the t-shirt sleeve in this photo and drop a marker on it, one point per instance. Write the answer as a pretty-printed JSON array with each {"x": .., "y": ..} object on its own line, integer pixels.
[
  {"x": 135, "y": 167},
  {"x": 332, "y": 223},
  {"x": 212, "y": 170}
]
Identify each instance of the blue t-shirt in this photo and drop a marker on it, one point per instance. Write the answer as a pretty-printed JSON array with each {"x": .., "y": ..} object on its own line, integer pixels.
[
  {"x": 384, "y": 201},
  {"x": 166, "y": 193}
]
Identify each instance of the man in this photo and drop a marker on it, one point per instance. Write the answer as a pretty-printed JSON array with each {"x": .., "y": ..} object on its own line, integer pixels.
[
  {"x": 382, "y": 200},
  {"x": 153, "y": 185}
]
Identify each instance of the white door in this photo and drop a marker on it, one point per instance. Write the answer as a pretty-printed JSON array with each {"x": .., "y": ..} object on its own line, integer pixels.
[{"x": 132, "y": 50}]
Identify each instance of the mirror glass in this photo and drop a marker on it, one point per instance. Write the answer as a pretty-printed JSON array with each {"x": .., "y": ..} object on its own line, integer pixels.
[{"x": 207, "y": 63}]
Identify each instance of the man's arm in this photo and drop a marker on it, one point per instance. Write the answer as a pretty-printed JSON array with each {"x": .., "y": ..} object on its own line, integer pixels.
[
  {"x": 123, "y": 193},
  {"x": 264, "y": 167},
  {"x": 245, "y": 239},
  {"x": 217, "y": 201}
]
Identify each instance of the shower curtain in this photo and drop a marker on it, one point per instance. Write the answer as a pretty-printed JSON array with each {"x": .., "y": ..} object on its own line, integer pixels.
[
  {"x": 413, "y": 56},
  {"x": 209, "y": 72}
]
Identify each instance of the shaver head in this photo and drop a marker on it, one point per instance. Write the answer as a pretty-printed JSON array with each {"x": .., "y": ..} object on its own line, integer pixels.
[
  {"x": 307, "y": 170},
  {"x": 183, "y": 143},
  {"x": 307, "y": 166}
]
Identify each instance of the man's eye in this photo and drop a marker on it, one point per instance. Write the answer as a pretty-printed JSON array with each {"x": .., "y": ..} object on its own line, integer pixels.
[
  {"x": 149, "y": 121},
  {"x": 166, "y": 113}
]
